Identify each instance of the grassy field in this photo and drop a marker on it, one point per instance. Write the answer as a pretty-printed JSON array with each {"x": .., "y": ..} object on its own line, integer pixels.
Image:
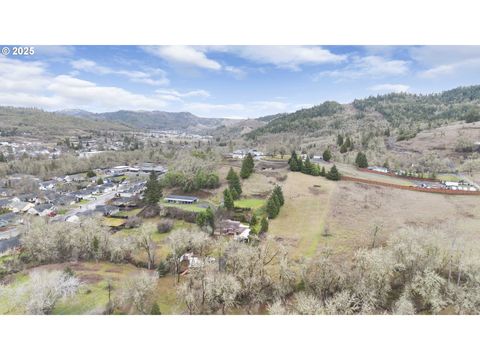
[
  {"x": 359, "y": 209},
  {"x": 250, "y": 203},
  {"x": 301, "y": 221}
]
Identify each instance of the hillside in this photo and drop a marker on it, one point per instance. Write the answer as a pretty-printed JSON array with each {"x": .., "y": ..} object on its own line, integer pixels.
[
  {"x": 156, "y": 120},
  {"x": 405, "y": 113},
  {"x": 21, "y": 121}
]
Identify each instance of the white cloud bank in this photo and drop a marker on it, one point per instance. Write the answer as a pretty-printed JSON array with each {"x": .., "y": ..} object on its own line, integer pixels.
[{"x": 156, "y": 77}]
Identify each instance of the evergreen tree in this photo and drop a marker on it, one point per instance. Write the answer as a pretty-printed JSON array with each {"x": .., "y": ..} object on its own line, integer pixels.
[
  {"x": 361, "y": 160},
  {"x": 253, "y": 221},
  {"x": 91, "y": 173},
  {"x": 247, "y": 166},
  {"x": 307, "y": 167},
  {"x": 230, "y": 174},
  {"x": 153, "y": 190},
  {"x": 339, "y": 140},
  {"x": 2, "y": 157},
  {"x": 272, "y": 207},
  {"x": 263, "y": 225},
  {"x": 228, "y": 200},
  {"x": 277, "y": 191},
  {"x": 234, "y": 184},
  {"x": 293, "y": 162},
  {"x": 99, "y": 181},
  {"x": 348, "y": 143},
  {"x": 300, "y": 164},
  {"x": 201, "y": 219},
  {"x": 333, "y": 174},
  {"x": 155, "y": 309},
  {"x": 327, "y": 155},
  {"x": 162, "y": 269},
  {"x": 323, "y": 172},
  {"x": 234, "y": 194},
  {"x": 316, "y": 170},
  {"x": 344, "y": 148}
]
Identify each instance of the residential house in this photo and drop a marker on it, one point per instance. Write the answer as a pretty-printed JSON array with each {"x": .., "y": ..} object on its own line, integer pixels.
[
  {"x": 107, "y": 210},
  {"x": 42, "y": 210},
  {"x": 189, "y": 260},
  {"x": 47, "y": 185},
  {"x": 240, "y": 231},
  {"x": 18, "y": 206}
]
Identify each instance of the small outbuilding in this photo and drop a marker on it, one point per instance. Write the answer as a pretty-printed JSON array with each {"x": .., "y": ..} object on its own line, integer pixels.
[{"x": 180, "y": 199}]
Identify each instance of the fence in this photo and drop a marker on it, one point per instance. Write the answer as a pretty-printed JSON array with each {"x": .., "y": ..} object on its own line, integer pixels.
[
  {"x": 411, "y": 188},
  {"x": 399, "y": 176}
]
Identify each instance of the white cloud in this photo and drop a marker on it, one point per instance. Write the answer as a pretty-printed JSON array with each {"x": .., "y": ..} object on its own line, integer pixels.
[
  {"x": 432, "y": 56},
  {"x": 439, "y": 61},
  {"x": 389, "y": 88},
  {"x": 288, "y": 57},
  {"x": 451, "y": 69},
  {"x": 29, "y": 84},
  {"x": 368, "y": 66},
  {"x": 174, "y": 95},
  {"x": 184, "y": 55},
  {"x": 155, "y": 77}
]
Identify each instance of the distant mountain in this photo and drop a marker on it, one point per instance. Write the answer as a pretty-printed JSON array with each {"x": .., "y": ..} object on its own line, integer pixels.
[
  {"x": 407, "y": 113},
  {"x": 156, "y": 120},
  {"x": 21, "y": 121}
]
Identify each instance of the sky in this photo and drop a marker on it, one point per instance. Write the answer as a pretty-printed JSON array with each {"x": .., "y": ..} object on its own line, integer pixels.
[{"x": 226, "y": 81}]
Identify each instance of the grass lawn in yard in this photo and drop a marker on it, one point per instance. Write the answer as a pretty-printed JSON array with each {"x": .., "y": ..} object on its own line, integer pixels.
[
  {"x": 197, "y": 207},
  {"x": 129, "y": 213},
  {"x": 113, "y": 222},
  {"x": 250, "y": 203}
]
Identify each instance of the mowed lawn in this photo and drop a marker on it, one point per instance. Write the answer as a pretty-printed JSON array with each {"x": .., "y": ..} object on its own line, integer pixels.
[
  {"x": 302, "y": 219},
  {"x": 250, "y": 203}
]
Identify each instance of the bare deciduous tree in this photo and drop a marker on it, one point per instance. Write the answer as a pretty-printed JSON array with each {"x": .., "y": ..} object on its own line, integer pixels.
[
  {"x": 138, "y": 291},
  {"x": 43, "y": 290}
]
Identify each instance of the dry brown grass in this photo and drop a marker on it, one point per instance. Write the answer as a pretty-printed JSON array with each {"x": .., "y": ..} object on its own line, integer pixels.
[
  {"x": 359, "y": 208},
  {"x": 300, "y": 224}
]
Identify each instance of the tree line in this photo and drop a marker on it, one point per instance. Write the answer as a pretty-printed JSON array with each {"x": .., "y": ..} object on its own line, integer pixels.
[{"x": 296, "y": 163}]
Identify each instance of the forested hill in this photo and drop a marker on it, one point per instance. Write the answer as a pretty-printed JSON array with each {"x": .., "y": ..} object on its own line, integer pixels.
[
  {"x": 22, "y": 121},
  {"x": 156, "y": 120},
  {"x": 403, "y": 111}
]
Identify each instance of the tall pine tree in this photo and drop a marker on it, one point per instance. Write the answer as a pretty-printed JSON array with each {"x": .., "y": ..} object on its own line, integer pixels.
[
  {"x": 153, "y": 191},
  {"x": 247, "y": 167},
  {"x": 234, "y": 184},
  {"x": 228, "y": 200}
]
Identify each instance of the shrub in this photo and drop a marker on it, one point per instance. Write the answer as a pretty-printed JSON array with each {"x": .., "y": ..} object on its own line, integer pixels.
[
  {"x": 133, "y": 222},
  {"x": 164, "y": 226}
]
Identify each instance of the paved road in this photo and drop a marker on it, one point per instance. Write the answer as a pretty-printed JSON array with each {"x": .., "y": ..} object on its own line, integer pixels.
[{"x": 100, "y": 200}]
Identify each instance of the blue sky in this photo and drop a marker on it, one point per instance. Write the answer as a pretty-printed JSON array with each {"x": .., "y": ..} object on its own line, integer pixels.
[{"x": 227, "y": 81}]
